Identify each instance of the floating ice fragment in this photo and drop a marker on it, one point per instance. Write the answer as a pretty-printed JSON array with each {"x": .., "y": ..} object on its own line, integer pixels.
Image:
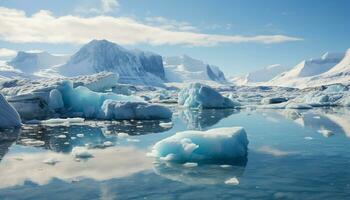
[
  {"x": 51, "y": 161},
  {"x": 232, "y": 181},
  {"x": 81, "y": 152},
  {"x": 54, "y": 121},
  {"x": 80, "y": 135},
  {"x": 108, "y": 144},
  {"x": 190, "y": 164},
  {"x": 62, "y": 136},
  {"x": 308, "y": 138},
  {"x": 215, "y": 145},
  {"x": 325, "y": 132},
  {"x": 32, "y": 142},
  {"x": 166, "y": 125},
  {"x": 122, "y": 135}
]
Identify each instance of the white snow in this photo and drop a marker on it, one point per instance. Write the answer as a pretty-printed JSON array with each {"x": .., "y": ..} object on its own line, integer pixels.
[
  {"x": 214, "y": 145},
  {"x": 8, "y": 115},
  {"x": 198, "y": 95}
]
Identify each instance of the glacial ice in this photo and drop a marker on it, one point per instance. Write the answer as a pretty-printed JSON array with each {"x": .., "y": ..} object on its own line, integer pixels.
[
  {"x": 55, "y": 99},
  {"x": 134, "y": 110},
  {"x": 8, "y": 115},
  {"x": 198, "y": 95},
  {"x": 215, "y": 145}
]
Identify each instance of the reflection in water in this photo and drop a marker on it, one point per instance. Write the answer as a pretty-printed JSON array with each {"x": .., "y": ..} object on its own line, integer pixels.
[
  {"x": 201, "y": 174},
  {"x": 106, "y": 164},
  {"x": 94, "y": 135},
  {"x": 7, "y": 138},
  {"x": 336, "y": 120},
  {"x": 201, "y": 119}
]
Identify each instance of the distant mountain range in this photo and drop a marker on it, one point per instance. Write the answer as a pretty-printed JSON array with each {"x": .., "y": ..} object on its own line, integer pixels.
[
  {"x": 330, "y": 68},
  {"x": 132, "y": 66}
]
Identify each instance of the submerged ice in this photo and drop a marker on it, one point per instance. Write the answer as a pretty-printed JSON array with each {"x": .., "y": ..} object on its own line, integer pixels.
[{"x": 215, "y": 145}]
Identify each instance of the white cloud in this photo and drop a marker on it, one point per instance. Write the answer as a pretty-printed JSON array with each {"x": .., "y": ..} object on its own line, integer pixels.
[
  {"x": 7, "y": 52},
  {"x": 44, "y": 27},
  {"x": 109, "y": 5},
  {"x": 169, "y": 24}
]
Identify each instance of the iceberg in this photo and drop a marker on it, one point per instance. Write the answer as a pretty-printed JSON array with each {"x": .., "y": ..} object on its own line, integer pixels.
[
  {"x": 134, "y": 110},
  {"x": 213, "y": 146},
  {"x": 198, "y": 95},
  {"x": 8, "y": 115}
]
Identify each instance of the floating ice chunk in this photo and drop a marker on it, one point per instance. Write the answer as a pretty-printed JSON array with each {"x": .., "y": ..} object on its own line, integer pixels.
[
  {"x": 51, "y": 161},
  {"x": 132, "y": 140},
  {"x": 80, "y": 135},
  {"x": 122, "y": 135},
  {"x": 58, "y": 121},
  {"x": 166, "y": 125},
  {"x": 62, "y": 136},
  {"x": 198, "y": 95},
  {"x": 232, "y": 181},
  {"x": 190, "y": 164},
  {"x": 325, "y": 132},
  {"x": 32, "y": 142},
  {"x": 298, "y": 106},
  {"x": 55, "y": 99},
  {"x": 308, "y": 138},
  {"x": 108, "y": 144},
  {"x": 215, "y": 145},
  {"x": 134, "y": 110},
  {"x": 81, "y": 152},
  {"x": 273, "y": 100},
  {"x": 8, "y": 115}
]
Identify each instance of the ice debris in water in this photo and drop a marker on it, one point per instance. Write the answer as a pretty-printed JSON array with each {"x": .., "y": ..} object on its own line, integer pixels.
[
  {"x": 308, "y": 138},
  {"x": 51, "y": 161},
  {"x": 32, "y": 142},
  {"x": 108, "y": 144},
  {"x": 81, "y": 152},
  {"x": 62, "y": 136},
  {"x": 58, "y": 121},
  {"x": 166, "y": 125},
  {"x": 122, "y": 135},
  {"x": 8, "y": 115},
  {"x": 215, "y": 145},
  {"x": 232, "y": 181},
  {"x": 198, "y": 95},
  {"x": 325, "y": 132},
  {"x": 190, "y": 164}
]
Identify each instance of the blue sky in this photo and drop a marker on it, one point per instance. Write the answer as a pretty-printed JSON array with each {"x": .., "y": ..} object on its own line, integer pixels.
[{"x": 237, "y": 35}]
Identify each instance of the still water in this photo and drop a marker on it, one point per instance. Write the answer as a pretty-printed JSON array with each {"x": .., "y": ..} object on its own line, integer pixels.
[{"x": 291, "y": 156}]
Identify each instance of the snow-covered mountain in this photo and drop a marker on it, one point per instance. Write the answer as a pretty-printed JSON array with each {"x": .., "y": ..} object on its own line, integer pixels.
[
  {"x": 31, "y": 62},
  {"x": 259, "y": 76},
  {"x": 306, "y": 69},
  {"x": 184, "y": 68},
  {"x": 132, "y": 66}
]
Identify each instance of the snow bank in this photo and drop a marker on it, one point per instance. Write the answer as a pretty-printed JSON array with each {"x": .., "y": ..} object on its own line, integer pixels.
[
  {"x": 198, "y": 95},
  {"x": 215, "y": 145},
  {"x": 8, "y": 115}
]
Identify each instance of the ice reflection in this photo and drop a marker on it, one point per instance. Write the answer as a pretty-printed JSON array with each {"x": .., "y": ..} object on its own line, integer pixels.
[
  {"x": 7, "y": 138},
  {"x": 336, "y": 120},
  {"x": 201, "y": 119},
  {"x": 199, "y": 175},
  {"x": 114, "y": 162},
  {"x": 92, "y": 134}
]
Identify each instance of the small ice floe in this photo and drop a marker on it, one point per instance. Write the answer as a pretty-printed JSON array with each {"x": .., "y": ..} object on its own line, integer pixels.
[
  {"x": 190, "y": 164},
  {"x": 232, "y": 181},
  {"x": 308, "y": 138},
  {"x": 108, "y": 144},
  {"x": 81, "y": 152},
  {"x": 197, "y": 146},
  {"x": 60, "y": 121},
  {"x": 325, "y": 132},
  {"x": 225, "y": 166},
  {"x": 73, "y": 138},
  {"x": 51, "y": 161},
  {"x": 122, "y": 135},
  {"x": 132, "y": 140},
  {"x": 317, "y": 117},
  {"x": 62, "y": 136},
  {"x": 293, "y": 105},
  {"x": 166, "y": 125},
  {"x": 32, "y": 142},
  {"x": 80, "y": 135}
]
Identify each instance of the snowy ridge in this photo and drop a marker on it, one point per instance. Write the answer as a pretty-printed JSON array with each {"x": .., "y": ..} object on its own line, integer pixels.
[{"x": 184, "y": 68}]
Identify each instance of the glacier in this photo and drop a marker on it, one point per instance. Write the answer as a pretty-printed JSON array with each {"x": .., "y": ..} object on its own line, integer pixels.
[
  {"x": 8, "y": 115},
  {"x": 198, "y": 95},
  {"x": 213, "y": 146}
]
